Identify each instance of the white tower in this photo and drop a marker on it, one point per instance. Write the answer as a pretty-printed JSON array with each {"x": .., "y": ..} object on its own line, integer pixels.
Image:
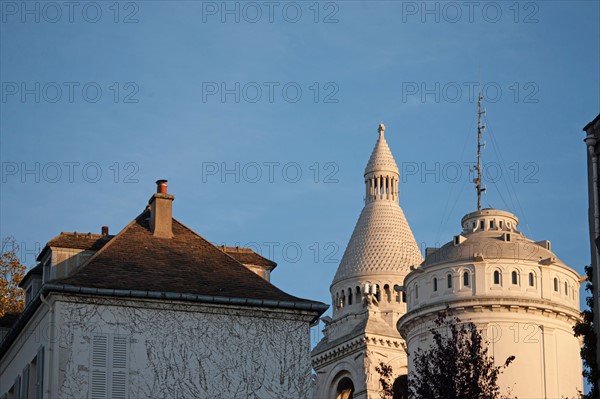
[
  {"x": 366, "y": 307},
  {"x": 514, "y": 289},
  {"x": 517, "y": 291}
]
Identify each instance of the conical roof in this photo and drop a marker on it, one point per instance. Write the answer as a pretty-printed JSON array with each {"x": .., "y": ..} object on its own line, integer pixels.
[
  {"x": 381, "y": 159},
  {"x": 382, "y": 241}
]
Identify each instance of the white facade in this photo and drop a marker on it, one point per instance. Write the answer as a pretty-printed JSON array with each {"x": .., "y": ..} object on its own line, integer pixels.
[
  {"x": 156, "y": 311},
  {"x": 366, "y": 307},
  {"x": 517, "y": 291},
  {"x": 122, "y": 348}
]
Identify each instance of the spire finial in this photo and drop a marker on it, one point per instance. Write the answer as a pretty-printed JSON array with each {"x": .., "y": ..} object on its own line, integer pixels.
[
  {"x": 480, "y": 129},
  {"x": 381, "y": 129}
]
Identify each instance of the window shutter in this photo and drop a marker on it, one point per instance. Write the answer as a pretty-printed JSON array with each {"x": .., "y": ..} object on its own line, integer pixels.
[
  {"x": 119, "y": 368},
  {"x": 109, "y": 367},
  {"x": 99, "y": 366},
  {"x": 40, "y": 373},
  {"x": 17, "y": 394},
  {"x": 25, "y": 383}
]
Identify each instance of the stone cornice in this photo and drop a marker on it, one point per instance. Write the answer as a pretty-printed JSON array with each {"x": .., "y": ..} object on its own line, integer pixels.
[
  {"x": 354, "y": 345},
  {"x": 482, "y": 305}
]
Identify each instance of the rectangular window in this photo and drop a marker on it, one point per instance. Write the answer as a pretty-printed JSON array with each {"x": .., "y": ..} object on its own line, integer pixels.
[
  {"x": 491, "y": 224},
  {"x": 482, "y": 224}
]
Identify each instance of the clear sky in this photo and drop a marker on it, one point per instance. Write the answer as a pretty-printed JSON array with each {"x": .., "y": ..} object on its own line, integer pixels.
[{"x": 262, "y": 116}]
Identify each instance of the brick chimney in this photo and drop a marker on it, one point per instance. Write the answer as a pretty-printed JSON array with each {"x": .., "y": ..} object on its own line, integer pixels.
[{"x": 161, "y": 211}]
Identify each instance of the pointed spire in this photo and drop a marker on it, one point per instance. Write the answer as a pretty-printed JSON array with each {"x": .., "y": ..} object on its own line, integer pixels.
[
  {"x": 381, "y": 159},
  {"x": 382, "y": 241}
]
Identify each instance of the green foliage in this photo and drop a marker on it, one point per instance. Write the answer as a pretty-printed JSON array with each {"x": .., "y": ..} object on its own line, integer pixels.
[
  {"x": 457, "y": 365},
  {"x": 386, "y": 374},
  {"x": 585, "y": 329}
]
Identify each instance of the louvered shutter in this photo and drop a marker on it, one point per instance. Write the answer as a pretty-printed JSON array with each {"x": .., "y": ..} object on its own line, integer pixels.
[
  {"x": 25, "y": 383},
  {"x": 119, "y": 368},
  {"x": 99, "y": 367},
  {"x": 40, "y": 373}
]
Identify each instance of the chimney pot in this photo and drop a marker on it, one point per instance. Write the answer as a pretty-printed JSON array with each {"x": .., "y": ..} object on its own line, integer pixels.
[
  {"x": 161, "y": 186},
  {"x": 104, "y": 230}
]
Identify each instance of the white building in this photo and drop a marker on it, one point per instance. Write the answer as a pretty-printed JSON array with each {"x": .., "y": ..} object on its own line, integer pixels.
[
  {"x": 362, "y": 332},
  {"x": 156, "y": 311},
  {"x": 517, "y": 291}
]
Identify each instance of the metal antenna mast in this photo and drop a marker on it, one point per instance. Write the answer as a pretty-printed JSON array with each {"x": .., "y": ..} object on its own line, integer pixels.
[{"x": 480, "y": 129}]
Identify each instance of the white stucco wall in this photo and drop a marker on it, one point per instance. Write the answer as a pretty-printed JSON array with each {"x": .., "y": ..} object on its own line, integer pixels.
[{"x": 173, "y": 350}]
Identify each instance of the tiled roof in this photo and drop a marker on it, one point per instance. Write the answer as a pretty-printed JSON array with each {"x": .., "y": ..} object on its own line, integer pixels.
[
  {"x": 381, "y": 158},
  {"x": 247, "y": 256},
  {"x": 187, "y": 263},
  {"x": 381, "y": 243},
  {"x": 77, "y": 241}
]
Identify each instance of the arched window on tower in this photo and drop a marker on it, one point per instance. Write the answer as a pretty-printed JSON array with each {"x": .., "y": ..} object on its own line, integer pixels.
[
  {"x": 515, "y": 277},
  {"x": 566, "y": 289},
  {"x": 349, "y": 296},
  {"x": 555, "y": 284},
  {"x": 466, "y": 279},
  {"x": 378, "y": 293},
  {"x": 435, "y": 284},
  {"x": 449, "y": 280},
  {"x": 531, "y": 280},
  {"x": 388, "y": 293},
  {"x": 337, "y": 300},
  {"x": 497, "y": 278}
]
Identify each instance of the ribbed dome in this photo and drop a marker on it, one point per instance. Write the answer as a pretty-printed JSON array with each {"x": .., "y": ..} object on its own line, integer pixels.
[
  {"x": 381, "y": 158},
  {"x": 382, "y": 242},
  {"x": 491, "y": 234}
]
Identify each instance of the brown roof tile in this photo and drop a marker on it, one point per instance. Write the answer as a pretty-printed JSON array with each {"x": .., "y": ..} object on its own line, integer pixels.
[
  {"x": 247, "y": 256},
  {"x": 77, "y": 241},
  {"x": 136, "y": 260}
]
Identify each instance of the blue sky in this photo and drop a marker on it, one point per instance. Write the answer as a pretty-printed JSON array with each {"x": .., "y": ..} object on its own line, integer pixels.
[{"x": 306, "y": 84}]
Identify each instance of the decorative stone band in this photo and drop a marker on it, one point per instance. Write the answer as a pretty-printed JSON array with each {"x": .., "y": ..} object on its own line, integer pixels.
[
  {"x": 355, "y": 345},
  {"x": 496, "y": 305}
]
